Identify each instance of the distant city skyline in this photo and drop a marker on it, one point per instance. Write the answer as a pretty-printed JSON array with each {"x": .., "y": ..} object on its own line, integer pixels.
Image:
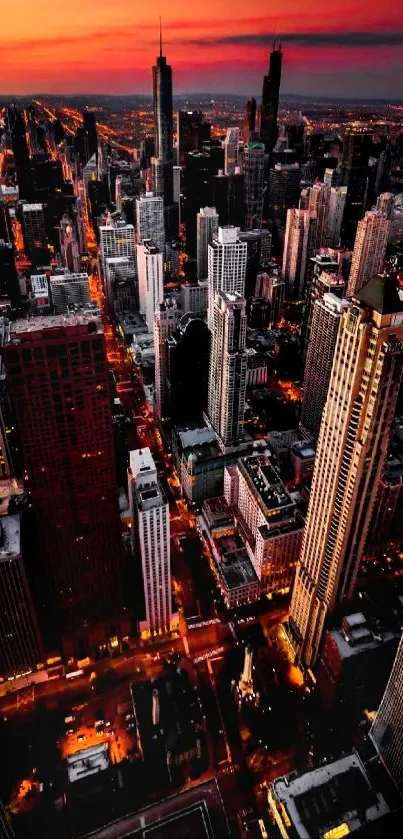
[{"x": 94, "y": 49}]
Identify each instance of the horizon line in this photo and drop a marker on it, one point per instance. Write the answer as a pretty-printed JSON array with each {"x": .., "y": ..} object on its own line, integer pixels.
[{"x": 208, "y": 93}]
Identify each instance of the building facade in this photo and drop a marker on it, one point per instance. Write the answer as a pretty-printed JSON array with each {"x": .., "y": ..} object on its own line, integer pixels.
[
  {"x": 207, "y": 221},
  {"x": 387, "y": 729},
  {"x": 228, "y": 367}
]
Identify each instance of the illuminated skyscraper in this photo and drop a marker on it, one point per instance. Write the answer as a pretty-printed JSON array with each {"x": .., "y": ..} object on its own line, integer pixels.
[
  {"x": 299, "y": 246},
  {"x": 207, "y": 225},
  {"x": 387, "y": 728},
  {"x": 253, "y": 169},
  {"x": 150, "y": 219},
  {"x": 188, "y": 133},
  {"x": 228, "y": 367},
  {"x": 369, "y": 250},
  {"x": 58, "y": 378},
  {"x": 162, "y": 91},
  {"x": 268, "y": 125},
  {"x": 326, "y": 319},
  {"x": 151, "y": 535},
  {"x": 227, "y": 258},
  {"x": 352, "y": 446},
  {"x": 231, "y": 150},
  {"x": 150, "y": 268}
]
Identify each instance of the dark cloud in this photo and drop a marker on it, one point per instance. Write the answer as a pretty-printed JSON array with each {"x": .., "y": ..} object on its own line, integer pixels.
[{"x": 307, "y": 39}]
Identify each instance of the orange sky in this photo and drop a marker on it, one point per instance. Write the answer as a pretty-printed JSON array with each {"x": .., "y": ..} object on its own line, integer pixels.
[{"x": 110, "y": 45}]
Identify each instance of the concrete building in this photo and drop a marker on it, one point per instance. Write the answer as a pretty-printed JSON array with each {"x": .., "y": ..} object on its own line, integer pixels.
[
  {"x": 69, "y": 290},
  {"x": 33, "y": 226},
  {"x": 271, "y": 286},
  {"x": 21, "y": 648},
  {"x": 120, "y": 283},
  {"x": 355, "y": 664},
  {"x": 337, "y": 203},
  {"x": 231, "y": 559},
  {"x": 231, "y": 150},
  {"x": 151, "y": 536},
  {"x": 40, "y": 298},
  {"x": 332, "y": 801},
  {"x": 150, "y": 220},
  {"x": 150, "y": 269},
  {"x": 227, "y": 257},
  {"x": 369, "y": 250},
  {"x": 194, "y": 297},
  {"x": 350, "y": 456},
  {"x": 299, "y": 247},
  {"x": 228, "y": 367},
  {"x": 207, "y": 221},
  {"x": 325, "y": 279},
  {"x": 116, "y": 239},
  {"x": 327, "y": 314},
  {"x": 318, "y": 202},
  {"x": 284, "y": 190},
  {"x": 387, "y": 729},
  {"x": 257, "y": 368},
  {"x": 268, "y": 517}
]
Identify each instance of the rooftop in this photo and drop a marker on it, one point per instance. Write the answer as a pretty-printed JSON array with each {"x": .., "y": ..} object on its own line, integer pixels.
[
  {"x": 87, "y": 762},
  {"x": 197, "y": 437},
  {"x": 381, "y": 294},
  {"x": 336, "y": 795},
  {"x": 358, "y": 634},
  {"x": 265, "y": 483},
  {"x": 42, "y": 323},
  {"x": 10, "y": 537},
  {"x": 234, "y": 564}
]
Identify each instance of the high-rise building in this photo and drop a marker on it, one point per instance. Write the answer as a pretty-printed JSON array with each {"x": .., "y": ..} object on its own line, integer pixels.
[
  {"x": 120, "y": 283},
  {"x": 318, "y": 203},
  {"x": 163, "y": 119},
  {"x": 325, "y": 279},
  {"x": 268, "y": 126},
  {"x": 150, "y": 220},
  {"x": 284, "y": 190},
  {"x": 357, "y": 146},
  {"x": 249, "y": 123},
  {"x": 227, "y": 257},
  {"x": 150, "y": 268},
  {"x": 385, "y": 204},
  {"x": 271, "y": 287},
  {"x": 33, "y": 226},
  {"x": 116, "y": 239},
  {"x": 299, "y": 247},
  {"x": 337, "y": 203},
  {"x": 228, "y": 367},
  {"x": 369, "y": 250},
  {"x": 151, "y": 535},
  {"x": 327, "y": 313},
  {"x": 166, "y": 320},
  {"x": 188, "y": 353},
  {"x": 350, "y": 455},
  {"x": 387, "y": 728},
  {"x": 20, "y": 641},
  {"x": 207, "y": 225},
  {"x": 69, "y": 246},
  {"x": 69, "y": 290},
  {"x": 231, "y": 150},
  {"x": 253, "y": 169},
  {"x": 188, "y": 133},
  {"x": 9, "y": 287},
  {"x": 90, "y": 127},
  {"x": 58, "y": 378}
]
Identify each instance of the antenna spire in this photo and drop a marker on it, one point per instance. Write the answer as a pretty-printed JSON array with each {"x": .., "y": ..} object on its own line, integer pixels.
[{"x": 160, "y": 38}]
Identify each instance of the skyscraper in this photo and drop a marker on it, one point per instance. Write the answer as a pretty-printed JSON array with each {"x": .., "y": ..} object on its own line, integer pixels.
[
  {"x": 69, "y": 290},
  {"x": 188, "y": 133},
  {"x": 207, "y": 225},
  {"x": 227, "y": 257},
  {"x": 299, "y": 246},
  {"x": 337, "y": 203},
  {"x": 150, "y": 219},
  {"x": 284, "y": 190},
  {"x": 116, "y": 239},
  {"x": 20, "y": 640},
  {"x": 253, "y": 169},
  {"x": 163, "y": 119},
  {"x": 90, "y": 127},
  {"x": 151, "y": 535},
  {"x": 58, "y": 377},
  {"x": 249, "y": 123},
  {"x": 9, "y": 287},
  {"x": 271, "y": 287},
  {"x": 231, "y": 150},
  {"x": 387, "y": 728},
  {"x": 166, "y": 320},
  {"x": 69, "y": 247},
  {"x": 228, "y": 367},
  {"x": 150, "y": 268},
  {"x": 369, "y": 250},
  {"x": 350, "y": 455},
  {"x": 33, "y": 226},
  {"x": 326, "y": 319},
  {"x": 318, "y": 203},
  {"x": 268, "y": 125}
]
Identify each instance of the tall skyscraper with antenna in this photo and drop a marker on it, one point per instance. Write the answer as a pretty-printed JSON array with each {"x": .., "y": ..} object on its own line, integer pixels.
[
  {"x": 268, "y": 125},
  {"x": 162, "y": 163}
]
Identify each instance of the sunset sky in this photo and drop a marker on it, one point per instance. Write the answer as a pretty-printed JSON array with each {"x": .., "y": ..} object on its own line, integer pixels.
[{"x": 337, "y": 48}]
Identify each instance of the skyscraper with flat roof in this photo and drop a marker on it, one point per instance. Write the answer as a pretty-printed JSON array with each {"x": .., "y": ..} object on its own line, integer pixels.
[
  {"x": 150, "y": 219},
  {"x": 151, "y": 534},
  {"x": 350, "y": 455},
  {"x": 150, "y": 267},
  {"x": 299, "y": 247},
  {"x": 58, "y": 378},
  {"x": 369, "y": 250},
  {"x": 207, "y": 225},
  {"x": 228, "y": 367},
  {"x": 253, "y": 169},
  {"x": 227, "y": 259}
]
